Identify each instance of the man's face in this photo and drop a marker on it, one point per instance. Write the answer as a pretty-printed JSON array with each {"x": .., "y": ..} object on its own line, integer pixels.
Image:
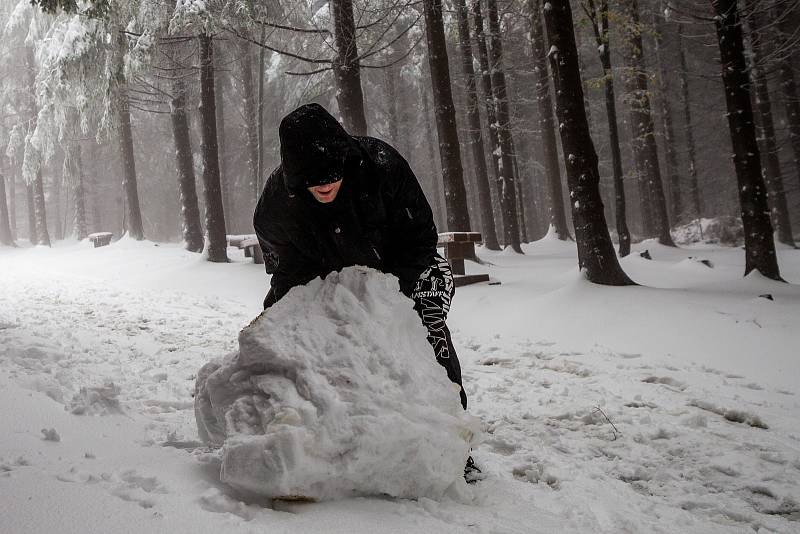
[{"x": 325, "y": 193}]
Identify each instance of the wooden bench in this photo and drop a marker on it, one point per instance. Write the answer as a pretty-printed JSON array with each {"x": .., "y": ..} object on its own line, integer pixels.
[
  {"x": 100, "y": 239},
  {"x": 248, "y": 243},
  {"x": 460, "y": 246}
]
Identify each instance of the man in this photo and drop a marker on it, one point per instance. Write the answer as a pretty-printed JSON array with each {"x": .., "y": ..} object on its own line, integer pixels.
[{"x": 337, "y": 200}]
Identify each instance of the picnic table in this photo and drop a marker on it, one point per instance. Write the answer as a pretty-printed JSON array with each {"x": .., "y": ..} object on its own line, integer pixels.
[
  {"x": 460, "y": 246},
  {"x": 248, "y": 243},
  {"x": 100, "y": 239}
]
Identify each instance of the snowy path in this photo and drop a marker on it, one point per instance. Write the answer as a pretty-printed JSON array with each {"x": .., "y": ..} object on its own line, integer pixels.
[{"x": 689, "y": 453}]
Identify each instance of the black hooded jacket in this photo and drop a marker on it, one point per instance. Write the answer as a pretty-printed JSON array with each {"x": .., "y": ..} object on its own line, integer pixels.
[{"x": 379, "y": 218}]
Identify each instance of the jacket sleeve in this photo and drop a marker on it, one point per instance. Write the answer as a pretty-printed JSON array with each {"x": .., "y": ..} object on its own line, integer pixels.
[
  {"x": 411, "y": 227},
  {"x": 282, "y": 259}
]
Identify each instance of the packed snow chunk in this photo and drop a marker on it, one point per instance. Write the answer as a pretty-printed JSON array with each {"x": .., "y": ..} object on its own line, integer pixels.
[
  {"x": 50, "y": 434},
  {"x": 99, "y": 400},
  {"x": 336, "y": 392}
]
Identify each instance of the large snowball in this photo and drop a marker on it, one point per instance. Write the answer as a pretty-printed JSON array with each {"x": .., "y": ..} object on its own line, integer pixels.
[{"x": 335, "y": 392}]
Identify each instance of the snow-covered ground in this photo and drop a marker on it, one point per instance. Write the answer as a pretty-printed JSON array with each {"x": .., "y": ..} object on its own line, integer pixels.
[{"x": 669, "y": 407}]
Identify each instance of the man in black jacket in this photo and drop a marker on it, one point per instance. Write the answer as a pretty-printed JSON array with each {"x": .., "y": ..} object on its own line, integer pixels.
[{"x": 337, "y": 200}]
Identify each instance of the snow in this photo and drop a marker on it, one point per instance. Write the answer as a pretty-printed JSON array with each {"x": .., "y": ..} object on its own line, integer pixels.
[
  {"x": 336, "y": 392},
  {"x": 682, "y": 365}
]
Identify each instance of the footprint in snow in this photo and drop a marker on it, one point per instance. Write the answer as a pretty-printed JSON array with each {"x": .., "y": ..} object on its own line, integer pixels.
[
  {"x": 134, "y": 487},
  {"x": 535, "y": 473},
  {"x": 628, "y": 355},
  {"x": 733, "y": 415},
  {"x": 666, "y": 381},
  {"x": 496, "y": 360}
]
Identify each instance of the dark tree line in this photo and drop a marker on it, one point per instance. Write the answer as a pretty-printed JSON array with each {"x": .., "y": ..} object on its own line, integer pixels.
[{"x": 526, "y": 96}]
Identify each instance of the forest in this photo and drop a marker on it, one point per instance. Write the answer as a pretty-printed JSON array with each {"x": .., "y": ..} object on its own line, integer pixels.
[{"x": 140, "y": 117}]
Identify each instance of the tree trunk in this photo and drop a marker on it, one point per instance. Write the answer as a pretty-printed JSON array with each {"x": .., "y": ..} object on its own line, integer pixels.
[
  {"x": 215, "y": 213},
  {"x": 771, "y": 169},
  {"x": 32, "y": 234},
  {"x": 250, "y": 125},
  {"x": 601, "y": 29},
  {"x": 787, "y": 25},
  {"x": 489, "y": 104},
  {"x": 260, "y": 73},
  {"x": 6, "y": 237},
  {"x": 436, "y": 188},
  {"x": 644, "y": 141},
  {"x": 489, "y": 232},
  {"x": 347, "y": 70},
  {"x": 55, "y": 204},
  {"x": 508, "y": 191},
  {"x": 79, "y": 228},
  {"x": 791, "y": 102},
  {"x": 225, "y": 185},
  {"x": 758, "y": 242},
  {"x": 125, "y": 139},
  {"x": 12, "y": 204},
  {"x": 91, "y": 181},
  {"x": 673, "y": 177},
  {"x": 520, "y": 206},
  {"x": 455, "y": 194},
  {"x": 129, "y": 182},
  {"x": 37, "y": 209},
  {"x": 40, "y": 211},
  {"x": 192, "y": 231},
  {"x": 595, "y": 250},
  {"x": 694, "y": 186},
  {"x": 582, "y": 66},
  {"x": 558, "y": 217},
  {"x": 390, "y": 84}
]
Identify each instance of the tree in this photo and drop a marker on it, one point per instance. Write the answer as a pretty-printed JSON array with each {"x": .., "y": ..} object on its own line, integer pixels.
[
  {"x": 759, "y": 246},
  {"x": 439, "y": 213},
  {"x": 787, "y": 24},
  {"x": 476, "y": 145},
  {"x": 6, "y": 237},
  {"x": 125, "y": 142},
  {"x": 219, "y": 104},
  {"x": 184, "y": 166},
  {"x": 768, "y": 144},
  {"x": 88, "y": 72},
  {"x": 644, "y": 142},
  {"x": 673, "y": 177},
  {"x": 455, "y": 195},
  {"x": 33, "y": 236},
  {"x": 596, "y": 255},
  {"x": 599, "y": 23},
  {"x": 346, "y": 68},
  {"x": 691, "y": 150},
  {"x": 249, "y": 114},
  {"x": 260, "y": 166},
  {"x": 215, "y": 213},
  {"x": 32, "y": 162},
  {"x": 482, "y": 53},
  {"x": 505, "y": 178},
  {"x": 73, "y": 175},
  {"x": 79, "y": 227},
  {"x": 558, "y": 218}
]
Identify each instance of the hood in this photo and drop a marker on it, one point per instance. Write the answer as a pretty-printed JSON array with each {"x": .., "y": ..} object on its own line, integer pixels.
[{"x": 315, "y": 148}]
